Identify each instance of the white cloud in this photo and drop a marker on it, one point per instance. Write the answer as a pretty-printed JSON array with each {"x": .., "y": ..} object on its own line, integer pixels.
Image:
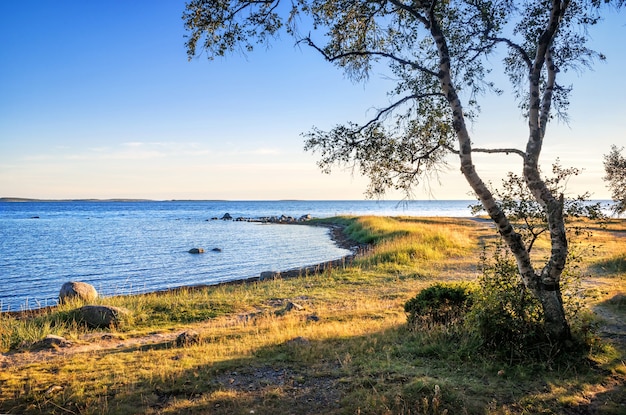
[{"x": 124, "y": 151}]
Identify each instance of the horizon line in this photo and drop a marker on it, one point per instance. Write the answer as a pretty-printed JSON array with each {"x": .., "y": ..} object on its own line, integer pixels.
[{"x": 26, "y": 199}]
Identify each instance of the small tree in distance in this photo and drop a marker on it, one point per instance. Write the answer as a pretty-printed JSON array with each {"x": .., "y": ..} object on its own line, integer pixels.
[
  {"x": 615, "y": 168},
  {"x": 439, "y": 52}
]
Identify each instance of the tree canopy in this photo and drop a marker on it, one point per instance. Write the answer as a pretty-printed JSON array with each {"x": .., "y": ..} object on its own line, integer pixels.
[
  {"x": 439, "y": 52},
  {"x": 615, "y": 168}
]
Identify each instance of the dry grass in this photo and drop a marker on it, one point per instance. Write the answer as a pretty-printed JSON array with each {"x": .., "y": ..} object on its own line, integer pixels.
[{"x": 347, "y": 350}]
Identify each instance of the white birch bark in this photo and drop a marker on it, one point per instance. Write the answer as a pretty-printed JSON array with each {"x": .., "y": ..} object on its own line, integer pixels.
[{"x": 545, "y": 286}]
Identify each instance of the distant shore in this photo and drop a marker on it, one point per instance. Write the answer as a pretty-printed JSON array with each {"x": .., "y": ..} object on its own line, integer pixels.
[{"x": 24, "y": 199}]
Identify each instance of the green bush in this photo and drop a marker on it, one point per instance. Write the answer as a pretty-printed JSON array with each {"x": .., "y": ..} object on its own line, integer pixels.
[
  {"x": 440, "y": 304},
  {"x": 508, "y": 319},
  {"x": 499, "y": 316}
]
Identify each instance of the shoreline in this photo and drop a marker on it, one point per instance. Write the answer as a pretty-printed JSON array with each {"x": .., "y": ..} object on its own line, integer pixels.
[{"x": 337, "y": 236}]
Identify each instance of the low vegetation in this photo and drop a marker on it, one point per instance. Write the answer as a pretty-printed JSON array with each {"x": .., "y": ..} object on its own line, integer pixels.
[{"x": 336, "y": 342}]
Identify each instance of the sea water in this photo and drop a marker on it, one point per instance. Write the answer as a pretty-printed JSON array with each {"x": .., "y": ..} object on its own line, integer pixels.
[{"x": 126, "y": 247}]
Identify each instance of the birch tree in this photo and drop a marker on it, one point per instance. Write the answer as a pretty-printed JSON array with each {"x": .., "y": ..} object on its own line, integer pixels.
[{"x": 439, "y": 52}]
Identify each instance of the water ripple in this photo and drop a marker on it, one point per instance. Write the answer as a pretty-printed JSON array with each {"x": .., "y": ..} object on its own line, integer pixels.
[{"x": 141, "y": 250}]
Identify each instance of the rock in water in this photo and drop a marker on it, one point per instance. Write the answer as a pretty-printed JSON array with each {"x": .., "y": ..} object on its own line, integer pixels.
[
  {"x": 77, "y": 290},
  {"x": 101, "y": 316},
  {"x": 196, "y": 251}
]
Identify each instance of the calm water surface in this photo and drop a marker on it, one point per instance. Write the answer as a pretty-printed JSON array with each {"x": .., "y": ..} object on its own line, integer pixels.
[{"x": 132, "y": 247}]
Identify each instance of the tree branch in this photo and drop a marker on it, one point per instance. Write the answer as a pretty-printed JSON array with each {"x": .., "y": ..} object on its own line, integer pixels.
[
  {"x": 544, "y": 44},
  {"x": 546, "y": 101},
  {"x": 383, "y": 111},
  {"x": 534, "y": 238},
  {"x": 506, "y": 151},
  {"x": 412, "y": 11},
  {"x": 413, "y": 65},
  {"x": 520, "y": 50},
  {"x": 249, "y": 4}
]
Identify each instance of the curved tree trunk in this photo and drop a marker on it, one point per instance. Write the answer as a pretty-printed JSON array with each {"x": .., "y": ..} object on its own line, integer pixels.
[{"x": 548, "y": 281}]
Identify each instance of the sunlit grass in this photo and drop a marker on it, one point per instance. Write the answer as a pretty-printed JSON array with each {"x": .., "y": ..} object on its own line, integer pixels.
[
  {"x": 346, "y": 351},
  {"x": 404, "y": 242}
]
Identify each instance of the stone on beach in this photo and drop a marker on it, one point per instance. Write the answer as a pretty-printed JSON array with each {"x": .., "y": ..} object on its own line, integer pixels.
[
  {"x": 101, "y": 316},
  {"x": 52, "y": 341},
  {"x": 77, "y": 290},
  {"x": 269, "y": 275}
]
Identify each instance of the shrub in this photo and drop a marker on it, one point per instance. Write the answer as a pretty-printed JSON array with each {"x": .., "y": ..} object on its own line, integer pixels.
[
  {"x": 505, "y": 315},
  {"x": 439, "y": 304},
  {"x": 509, "y": 320}
]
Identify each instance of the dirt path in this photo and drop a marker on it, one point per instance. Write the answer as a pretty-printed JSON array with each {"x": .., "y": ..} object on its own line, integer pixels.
[
  {"x": 612, "y": 329},
  {"x": 97, "y": 342}
]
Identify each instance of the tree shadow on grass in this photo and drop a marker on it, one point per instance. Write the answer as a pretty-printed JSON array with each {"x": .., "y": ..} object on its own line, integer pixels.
[
  {"x": 615, "y": 265},
  {"x": 383, "y": 372},
  {"x": 292, "y": 378},
  {"x": 612, "y": 328}
]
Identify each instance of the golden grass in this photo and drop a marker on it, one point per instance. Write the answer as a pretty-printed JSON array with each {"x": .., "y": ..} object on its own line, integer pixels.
[{"x": 346, "y": 351}]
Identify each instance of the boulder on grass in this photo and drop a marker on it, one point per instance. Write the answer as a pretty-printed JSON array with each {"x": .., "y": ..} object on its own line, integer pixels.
[
  {"x": 76, "y": 290},
  {"x": 290, "y": 306},
  {"x": 101, "y": 316},
  {"x": 187, "y": 338},
  {"x": 51, "y": 342}
]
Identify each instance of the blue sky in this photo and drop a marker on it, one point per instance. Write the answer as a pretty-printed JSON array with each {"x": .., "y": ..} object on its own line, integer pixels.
[{"x": 98, "y": 100}]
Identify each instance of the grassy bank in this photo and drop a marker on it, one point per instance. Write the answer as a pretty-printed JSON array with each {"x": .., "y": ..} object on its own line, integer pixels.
[{"x": 332, "y": 343}]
